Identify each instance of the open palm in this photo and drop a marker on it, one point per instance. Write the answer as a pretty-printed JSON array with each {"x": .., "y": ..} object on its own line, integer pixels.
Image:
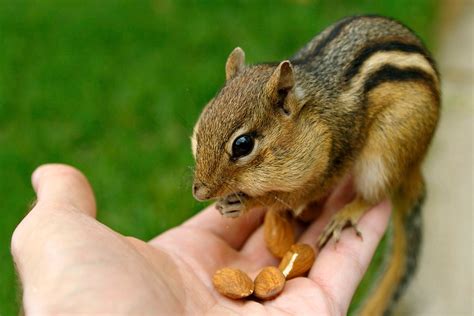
[{"x": 69, "y": 263}]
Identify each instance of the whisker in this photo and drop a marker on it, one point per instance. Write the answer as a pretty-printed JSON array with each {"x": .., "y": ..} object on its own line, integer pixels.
[
  {"x": 262, "y": 202},
  {"x": 282, "y": 202}
]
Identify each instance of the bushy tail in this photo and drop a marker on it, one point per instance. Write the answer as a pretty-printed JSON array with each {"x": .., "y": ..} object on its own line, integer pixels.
[{"x": 400, "y": 259}]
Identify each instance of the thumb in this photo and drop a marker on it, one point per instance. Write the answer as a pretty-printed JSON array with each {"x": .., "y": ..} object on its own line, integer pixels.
[
  {"x": 62, "y": 185},
  {"x": 65, "y": 204},
  {"x": 61, "y": 191}
]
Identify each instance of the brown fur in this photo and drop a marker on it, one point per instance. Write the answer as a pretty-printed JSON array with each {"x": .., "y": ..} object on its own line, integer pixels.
[{"x": 361, "y": 98}]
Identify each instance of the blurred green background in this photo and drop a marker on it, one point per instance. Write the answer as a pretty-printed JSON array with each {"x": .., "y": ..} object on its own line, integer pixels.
[{"x": 113, "y": 87}]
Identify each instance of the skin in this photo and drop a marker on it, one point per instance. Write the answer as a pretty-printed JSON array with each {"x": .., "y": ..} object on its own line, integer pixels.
[{"x": 69, "y": 263}]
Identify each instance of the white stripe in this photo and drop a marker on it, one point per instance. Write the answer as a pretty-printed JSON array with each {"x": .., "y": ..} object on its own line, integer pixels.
[
  {"x": 398, "y": 59},
  {"x": 401, "y": 60}
]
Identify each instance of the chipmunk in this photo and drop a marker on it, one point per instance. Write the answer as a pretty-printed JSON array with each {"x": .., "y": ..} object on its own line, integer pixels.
[{"x": 362, "y": 98}]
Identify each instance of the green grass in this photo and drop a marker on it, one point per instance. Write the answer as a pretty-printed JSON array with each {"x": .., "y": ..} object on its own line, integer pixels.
[{"x": 113, "y": 87}]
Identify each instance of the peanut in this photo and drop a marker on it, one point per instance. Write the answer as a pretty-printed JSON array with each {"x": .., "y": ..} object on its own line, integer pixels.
[
  {"x": 269, "y": 283},
  {"x": 297, "y": 261},
  {"x": 278, "y": 233},
  {"x": 233, "y": 283}
]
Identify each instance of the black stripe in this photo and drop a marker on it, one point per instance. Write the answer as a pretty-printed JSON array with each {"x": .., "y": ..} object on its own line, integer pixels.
[
  {"x": 333, "y": 34},
  {"x": 368, "y": 51},
  {"x": 392, "y": 73},
  {"x": 414, "y": 234}
]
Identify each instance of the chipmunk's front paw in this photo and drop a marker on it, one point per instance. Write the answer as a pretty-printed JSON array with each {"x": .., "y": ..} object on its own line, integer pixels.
[
  {"x": 346, "y": 217},
  {"x": 231, "y": 205}
]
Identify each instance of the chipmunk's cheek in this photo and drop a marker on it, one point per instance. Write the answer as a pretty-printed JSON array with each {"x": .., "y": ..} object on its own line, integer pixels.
[{"x": 259, "y": 183}]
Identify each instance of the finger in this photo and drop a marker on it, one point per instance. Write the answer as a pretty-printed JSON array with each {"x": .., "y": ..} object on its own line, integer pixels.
[
  {"x": 341, "y": 195},
  {"x": 234, "y": 231},
  {"x": 256, "y": 252},
  {"x": 340, "y": 267},
  {"x": 63, "y": 185}
]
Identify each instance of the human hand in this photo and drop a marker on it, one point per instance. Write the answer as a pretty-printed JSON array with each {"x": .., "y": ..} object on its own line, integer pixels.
[{"x": 69, "y": 263}]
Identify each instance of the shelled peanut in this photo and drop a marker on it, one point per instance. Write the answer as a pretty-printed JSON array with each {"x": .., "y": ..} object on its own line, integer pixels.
[
  {"x": 297, "y": 261},
  {"x": 278, "y": 233},
  {"x": 269, "y": 283},
  {"x": 235, "y": 284}
]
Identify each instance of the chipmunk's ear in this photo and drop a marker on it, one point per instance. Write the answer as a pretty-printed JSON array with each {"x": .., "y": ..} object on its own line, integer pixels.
[
  {"x": 281, "y": 82},
  {"x": 235, "y": 63},
  {"x": 282, "y": 78}
]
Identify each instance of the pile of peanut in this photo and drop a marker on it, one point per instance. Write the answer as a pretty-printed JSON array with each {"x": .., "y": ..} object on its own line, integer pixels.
[
  {"x": 297, "y": 259},
  {"x": 236, "y": 284}
]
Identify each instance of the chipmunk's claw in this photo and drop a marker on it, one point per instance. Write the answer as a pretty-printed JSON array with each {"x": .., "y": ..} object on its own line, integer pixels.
[
  {"x": 338, "y": 222},
  {"x": 231, "y": 205}
]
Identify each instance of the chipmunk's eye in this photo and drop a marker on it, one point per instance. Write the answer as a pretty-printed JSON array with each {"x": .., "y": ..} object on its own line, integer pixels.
[{"x": 242, "y": 146}]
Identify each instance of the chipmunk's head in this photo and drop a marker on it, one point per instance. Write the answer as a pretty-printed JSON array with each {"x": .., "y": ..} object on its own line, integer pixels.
[{"x": 251, "y": 138}]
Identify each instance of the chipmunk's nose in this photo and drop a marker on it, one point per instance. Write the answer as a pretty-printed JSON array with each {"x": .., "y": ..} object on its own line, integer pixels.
[{"x": 201, "y": 192}]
